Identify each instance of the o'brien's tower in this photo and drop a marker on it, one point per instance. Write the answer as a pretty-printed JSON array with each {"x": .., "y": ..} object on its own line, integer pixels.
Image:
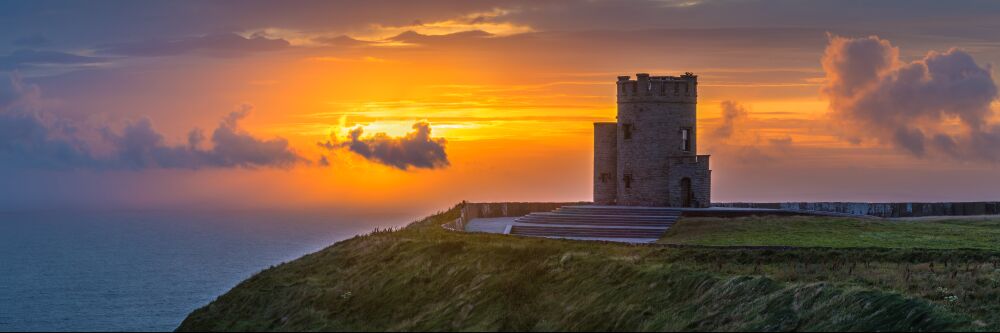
[{"x": 650, "y": 156}]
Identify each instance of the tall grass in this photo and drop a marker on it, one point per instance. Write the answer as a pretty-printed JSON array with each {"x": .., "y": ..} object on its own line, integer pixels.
[{"x": 426, "y": 278}]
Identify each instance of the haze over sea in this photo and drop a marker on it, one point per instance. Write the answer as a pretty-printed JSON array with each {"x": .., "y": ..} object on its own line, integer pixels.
[{"x": 146, "y": 270}]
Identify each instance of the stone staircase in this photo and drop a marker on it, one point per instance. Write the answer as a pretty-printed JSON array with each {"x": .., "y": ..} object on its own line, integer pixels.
[{"x": 632, "y": 224}]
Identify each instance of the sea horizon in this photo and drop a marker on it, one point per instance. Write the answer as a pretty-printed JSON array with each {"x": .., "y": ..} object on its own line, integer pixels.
[{"x": 145, "y": 270}]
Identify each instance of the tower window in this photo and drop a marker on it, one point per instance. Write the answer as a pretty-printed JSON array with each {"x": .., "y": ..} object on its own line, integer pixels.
[
  {"x": 627, "y": 131},
  {"x": 628, "y": 180},
  {"x": 604, "y": 177},
  {"x": 686, "y": 139}
]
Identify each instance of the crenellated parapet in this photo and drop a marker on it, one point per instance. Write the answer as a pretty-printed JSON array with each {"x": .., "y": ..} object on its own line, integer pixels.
[{"x": 659, "y": 89}]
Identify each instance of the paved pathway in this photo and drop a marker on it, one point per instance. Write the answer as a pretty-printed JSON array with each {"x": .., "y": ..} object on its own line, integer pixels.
[{"x": 495, "y": 225}]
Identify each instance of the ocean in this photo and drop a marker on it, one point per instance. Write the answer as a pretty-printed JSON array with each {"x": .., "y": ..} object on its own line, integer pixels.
[{"x": 146, "y": 270}]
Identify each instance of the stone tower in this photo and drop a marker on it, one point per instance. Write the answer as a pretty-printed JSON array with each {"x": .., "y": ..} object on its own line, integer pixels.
[{"x": 650, "y": 156}]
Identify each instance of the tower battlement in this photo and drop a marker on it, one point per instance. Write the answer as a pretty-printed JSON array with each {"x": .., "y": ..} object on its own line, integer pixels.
[{"x": 666, "y": 89}]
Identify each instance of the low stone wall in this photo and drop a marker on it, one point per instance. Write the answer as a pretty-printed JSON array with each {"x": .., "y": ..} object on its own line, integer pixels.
[
  {"x": 456, "y": 225},
  {"x": 473, "y": 210},
  {"x": 886, "y": 209}
]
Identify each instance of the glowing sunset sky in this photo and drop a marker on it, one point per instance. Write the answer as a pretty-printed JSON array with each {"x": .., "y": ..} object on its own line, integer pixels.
[{"x": 191, "y": 104}]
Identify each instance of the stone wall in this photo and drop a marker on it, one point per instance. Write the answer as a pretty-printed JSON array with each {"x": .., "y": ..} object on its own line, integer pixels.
[
  {"x": 473, "y": 210},
  {"x": 696, "y": 169},
  {"x": 885, "y": 209},
  {"x": 605, "y": 163}
]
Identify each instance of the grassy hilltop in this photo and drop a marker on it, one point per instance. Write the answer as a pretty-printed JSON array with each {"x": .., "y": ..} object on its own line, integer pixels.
[
  {"x": 426, "y": 278},
  {"x": 839, "y": 232}
]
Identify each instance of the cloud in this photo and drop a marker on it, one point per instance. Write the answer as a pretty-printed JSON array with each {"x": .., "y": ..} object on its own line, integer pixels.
[
  {"x": 15, "y": 93},
  {"x": 931, "y": 107},
  {"x": 478, "y": 24},
  {"x": 730, "y": 142},
  {"x": 414, "y": 37},
  {"x": 732, "y": 112},
  {"x": 32, "y": 58},
  {"x": 416, "y": 149},
  {"x": 224, "y": 44},
  {"x": 340, "y": 40},
  {"x": 31, "y": 138}
]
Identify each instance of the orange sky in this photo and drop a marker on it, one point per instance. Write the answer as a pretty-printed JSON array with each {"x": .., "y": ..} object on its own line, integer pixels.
[{"x": 515, "y": 101}]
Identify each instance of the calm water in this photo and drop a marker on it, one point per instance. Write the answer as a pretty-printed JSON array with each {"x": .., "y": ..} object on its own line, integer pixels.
[{"x": 124, "y": 271}]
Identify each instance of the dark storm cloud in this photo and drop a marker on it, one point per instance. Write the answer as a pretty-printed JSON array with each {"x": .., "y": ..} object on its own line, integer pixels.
[
  {"x": 875, "y": 95},
  {"x": 31, "y": 138},
  {"x": 416, "y": 149},
  {"x": 30, "y": 58},
  {"x": 215, "y": 44}
]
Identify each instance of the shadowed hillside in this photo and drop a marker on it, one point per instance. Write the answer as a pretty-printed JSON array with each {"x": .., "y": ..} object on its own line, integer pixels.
[{"x": 427, "y": 278}]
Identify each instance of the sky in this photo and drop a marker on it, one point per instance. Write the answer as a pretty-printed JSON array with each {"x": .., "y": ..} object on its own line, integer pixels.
[{"x": 375, "y": 105}]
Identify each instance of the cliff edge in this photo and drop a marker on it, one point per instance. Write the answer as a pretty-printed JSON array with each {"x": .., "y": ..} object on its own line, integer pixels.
[{"x": 423, "y": 277}]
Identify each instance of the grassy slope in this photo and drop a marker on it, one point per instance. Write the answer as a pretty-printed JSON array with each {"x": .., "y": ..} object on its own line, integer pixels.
[
  {"x": 425, "y": 278},
  {"x": 837, "y": 232}
]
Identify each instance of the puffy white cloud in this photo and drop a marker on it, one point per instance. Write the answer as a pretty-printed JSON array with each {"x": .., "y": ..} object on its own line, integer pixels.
[{"x": 935, "y": 106}]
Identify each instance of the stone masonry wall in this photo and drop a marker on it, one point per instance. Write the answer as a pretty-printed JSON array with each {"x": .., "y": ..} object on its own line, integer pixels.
[
  {"x": 696, "y": 169},
  {"x": 605, "y": 163},
  {"x": 652, "y": 111}
]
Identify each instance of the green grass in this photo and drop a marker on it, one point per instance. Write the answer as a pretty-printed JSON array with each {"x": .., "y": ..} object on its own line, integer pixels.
[
  {"x": 427, "y": 278},
  {"x": 838, "y": 232}
]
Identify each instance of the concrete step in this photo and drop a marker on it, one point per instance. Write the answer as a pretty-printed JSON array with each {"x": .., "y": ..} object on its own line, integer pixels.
[
  {"x": 586, "y": 232},
  {"x": 584, "y": 219},
  {"x": 617, "y": 211},
  {"x": 592, "y": 220},
  {"x": 606, "y": 222},
  {"x": 622, "y": 222},
  {"x": 608, "y": 216},
  {"x": 642, "y": 210}
]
